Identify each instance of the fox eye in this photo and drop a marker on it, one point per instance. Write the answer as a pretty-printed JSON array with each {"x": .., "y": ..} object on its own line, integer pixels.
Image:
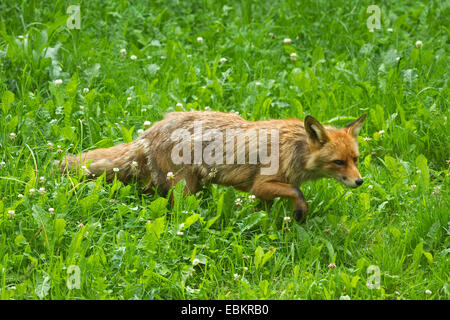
[
  {"x": 339, "y": 162},
  {"x": 355, "y": 159}
]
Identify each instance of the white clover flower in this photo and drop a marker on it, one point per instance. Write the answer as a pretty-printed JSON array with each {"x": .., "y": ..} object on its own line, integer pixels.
[
  {"x": 413, "y": 186},
  {"x": 419, "y": 44},
  {"x": 370, "y": 187},
  {"x": 41, "y": 191},
  {"x": 170, "y": 175},
  {"x": 12, "y": 136},
  {"x": 20, "y": 196},
  {"x": 428, "y": 292},
  {"x": 57, "y": 82},
  {"x": 367, "y": 138},
  {"x": 32, "y": 191},
  {"x": 180, "y": 233},
  {"x": 207, "y": 108},
  {"x": 212, "y": 173},
  {"x": 42, "y": 179},
  {"x": 2, "y": 163},
  {"x": 199, "y": 39},
  {"x": 85, "y": 90},
  {"x": 287, "y": 41},
  {"x": 195, "y": 262},
  {"x": 238, "y": 202},
  {"x": 223, "y": 60},
  {"x": 85, "y": 170},
  {"x": 81, "y": 108},
  {"x": 293, "y": 56},
  {"x": 50, "y": 145},
  {"x": 381, "y": 132},
  {"x": 11, "y": 214},
  {"x": 133, "y": 57},
  {"x": 140, "y": 132},
  {"x": 134, "y": 164},
  {"x": 397, "y": 59},
  {"x": 80, "y": 225},
  {"x": 179, "y": 105},
  {"x": 123, "y": 52},
  {"x": 436, "y": 190},
  {"x": 116, "y": 170},
  {"x": 390, "y": 30},
  {"x": 287, "y": 219},
  {"x": 236, "y": 276},
  {"x": 51, "y": 210},
  {"x": 147, "y": 123},
  {"x": 21, "y": 37},
  {"x": 251, "y": 198},
  {"x": 245, "y": 269},
  {"x": 129, "y": 99},
  {"x": 331, "y": 266},
  {"x": 163, "y": 57}
]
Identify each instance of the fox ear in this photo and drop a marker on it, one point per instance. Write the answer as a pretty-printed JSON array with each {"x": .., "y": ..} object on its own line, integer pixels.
[
  {"x": 317, "y": 134},
  {"x": 355, "y": 127}
]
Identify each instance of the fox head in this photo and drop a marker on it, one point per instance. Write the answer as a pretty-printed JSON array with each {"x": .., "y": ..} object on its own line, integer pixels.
[{"x": 334, "y": 152}]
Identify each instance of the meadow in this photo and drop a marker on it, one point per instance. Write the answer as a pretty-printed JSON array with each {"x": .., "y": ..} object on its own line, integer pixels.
[{"x": 68, "y": 88}]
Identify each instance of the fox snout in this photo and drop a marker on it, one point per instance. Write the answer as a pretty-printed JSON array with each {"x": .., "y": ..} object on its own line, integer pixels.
[
  {"x": 349, "y": 182},
  {"x": 353, "y": 183}
]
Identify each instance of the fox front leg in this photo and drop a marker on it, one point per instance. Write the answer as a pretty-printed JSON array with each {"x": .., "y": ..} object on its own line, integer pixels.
[
  {"x": 302, "y": 207},
  {"x": 272, "y": 189}
]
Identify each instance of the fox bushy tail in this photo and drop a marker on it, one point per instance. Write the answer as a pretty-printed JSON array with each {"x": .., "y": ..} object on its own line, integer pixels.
[{"x": 124, "y": 161}]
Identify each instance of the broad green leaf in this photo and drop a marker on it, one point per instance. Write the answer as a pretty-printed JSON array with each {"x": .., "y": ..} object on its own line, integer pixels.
[
  {"x": 417, "y": 254},
  {"x": 127, "y": 134},
  {"x": 71, "y": 87},
  {"x": 42, "y": 285},
  {"x": 364, "y": 199},
  {"x": 7, "y": 99},
  {"x": 60, "y": 225},
  {"x": 429, "y": 256},
  {"x": 87, "y": 203},
  {"x": 330, "y": 249},
  {"x": 251, "y": 220},
  {"x": 68, "y": 133},
  {"x": 191, "y": 220},
  {"x": 20, "y": 239},
  {"x": 267, "y": 256},
  {"x": 346, "y": 280},
  {"x": 355, "y": 280},
  {"x": 158, "y": 207},
  {"x": 156, "y": 228},
  {"x": 40, "y": 215},
  {"x": 12, "y": 124},
  {"x": 259, "y": 254},
  {"x": 424, "y": 174}
]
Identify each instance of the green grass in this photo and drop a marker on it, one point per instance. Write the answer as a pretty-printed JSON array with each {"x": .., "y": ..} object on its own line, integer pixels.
[{"x": 126, "y": 244}]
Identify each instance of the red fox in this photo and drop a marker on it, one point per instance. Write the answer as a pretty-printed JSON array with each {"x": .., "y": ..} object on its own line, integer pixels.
[{"x": 266, "y": 158}]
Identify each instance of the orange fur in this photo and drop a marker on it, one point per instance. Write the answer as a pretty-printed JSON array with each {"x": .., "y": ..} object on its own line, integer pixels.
[{"x": 306, "y": 152}]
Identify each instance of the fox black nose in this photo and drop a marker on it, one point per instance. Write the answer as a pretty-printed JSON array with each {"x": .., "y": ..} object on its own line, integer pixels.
[{"x": 359, "y": 181}]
